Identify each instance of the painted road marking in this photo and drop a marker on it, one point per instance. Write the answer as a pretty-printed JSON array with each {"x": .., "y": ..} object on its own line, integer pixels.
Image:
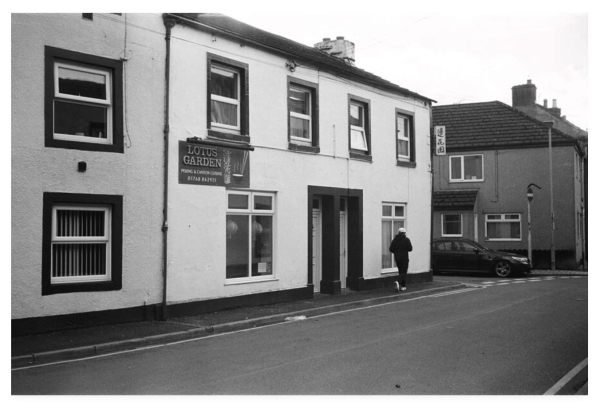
[{"x": 560, "y": 384}]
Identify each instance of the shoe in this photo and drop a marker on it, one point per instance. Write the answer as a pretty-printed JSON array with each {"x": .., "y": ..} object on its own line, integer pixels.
[
  {"x": 403, "y": 289},
  {"x": 397, "y": 286}
]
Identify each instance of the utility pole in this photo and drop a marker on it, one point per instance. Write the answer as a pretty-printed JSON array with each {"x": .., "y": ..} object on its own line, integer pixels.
[
  {"x": 529, "y": 199},
  {"x": 550, "y": 123}
]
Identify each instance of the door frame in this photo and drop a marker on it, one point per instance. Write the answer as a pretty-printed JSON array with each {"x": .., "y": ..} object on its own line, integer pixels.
[{"x": 330, "y": 243}]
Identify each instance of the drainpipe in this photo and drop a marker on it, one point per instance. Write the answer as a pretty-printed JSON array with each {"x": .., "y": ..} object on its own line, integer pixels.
[
  {"x": 431, "y": 212},
  {"x": 169, "y": 24}
]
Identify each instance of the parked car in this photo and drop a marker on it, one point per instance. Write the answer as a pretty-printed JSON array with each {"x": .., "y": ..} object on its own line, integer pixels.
[{"x": 463, "y": 255}]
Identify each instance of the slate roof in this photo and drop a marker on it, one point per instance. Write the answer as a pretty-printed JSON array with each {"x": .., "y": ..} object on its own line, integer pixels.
[
  {"x": 493, "y": 125},
  {"x": 454, "y": 199},
  {"x": 224, "y": 25}
]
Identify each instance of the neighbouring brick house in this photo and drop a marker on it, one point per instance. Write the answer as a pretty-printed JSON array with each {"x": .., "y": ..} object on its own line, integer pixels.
[{"x": 494, "y": 152}]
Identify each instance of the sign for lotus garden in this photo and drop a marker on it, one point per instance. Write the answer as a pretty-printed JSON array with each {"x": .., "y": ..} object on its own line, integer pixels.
[{"x": 206, "y": 164}]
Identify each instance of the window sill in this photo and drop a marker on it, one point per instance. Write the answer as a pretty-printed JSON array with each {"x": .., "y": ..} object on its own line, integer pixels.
[
  {"x": 500, "y": 240},
  {"x": 229, "y": 136},
  {"x": 361, "y": 156},
  {"x": 389, "y": 271},
  {"x": 83, "y": 146},
  {"x": 303, "y": 148},
  {"x": 249, "y": 280},
  {"x": 467, "y": 181},
  {"x": 406, "y": 164},
  {"x": 81, "y": 287}
]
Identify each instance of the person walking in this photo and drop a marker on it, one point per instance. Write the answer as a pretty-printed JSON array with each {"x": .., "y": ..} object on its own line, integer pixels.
[{"x": 400, "y": 246}]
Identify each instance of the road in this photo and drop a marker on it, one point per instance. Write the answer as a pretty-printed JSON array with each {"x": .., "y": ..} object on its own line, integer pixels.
[{"x": 506, "y": 337}]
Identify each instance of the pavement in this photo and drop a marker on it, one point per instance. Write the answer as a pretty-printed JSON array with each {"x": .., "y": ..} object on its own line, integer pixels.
[{"x": 30, "y": 350}]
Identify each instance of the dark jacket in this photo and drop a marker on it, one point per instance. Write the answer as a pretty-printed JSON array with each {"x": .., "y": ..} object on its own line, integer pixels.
[{"x": 400, "y": 246}]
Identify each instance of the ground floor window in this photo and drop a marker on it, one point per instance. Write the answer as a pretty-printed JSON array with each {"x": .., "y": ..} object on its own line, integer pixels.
[
  {"x": 503, "y": 227},
  {"x": 249, "y": 234},
  {"x": 393, "y": 216},
  {"x": 82, "y": 242},
  {"x": 452, "y": 225}
]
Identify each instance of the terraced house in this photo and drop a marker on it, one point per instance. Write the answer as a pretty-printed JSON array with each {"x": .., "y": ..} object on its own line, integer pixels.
[
  {"x": 171, "y": 164},
  {"x": 494, "y": 154}
]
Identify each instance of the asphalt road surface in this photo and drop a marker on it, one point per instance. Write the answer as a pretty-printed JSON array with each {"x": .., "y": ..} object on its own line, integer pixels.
[{"x": 507, "y": 337}]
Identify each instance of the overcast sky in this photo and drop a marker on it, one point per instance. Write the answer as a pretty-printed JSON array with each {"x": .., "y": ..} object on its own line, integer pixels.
[{"x": 452, "y": 57}]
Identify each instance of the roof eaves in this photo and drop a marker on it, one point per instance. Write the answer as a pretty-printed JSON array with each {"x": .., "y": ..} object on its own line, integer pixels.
[{"x": 297, "y": 50}]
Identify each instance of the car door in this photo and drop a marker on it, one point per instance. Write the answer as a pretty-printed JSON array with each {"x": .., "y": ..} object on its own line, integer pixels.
[
  {"x": 469, "y": 257},
  {"x": 442, "y": 255}
]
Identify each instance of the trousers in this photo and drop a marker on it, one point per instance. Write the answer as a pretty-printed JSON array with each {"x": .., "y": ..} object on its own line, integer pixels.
[{"x": 402, "y": 271}]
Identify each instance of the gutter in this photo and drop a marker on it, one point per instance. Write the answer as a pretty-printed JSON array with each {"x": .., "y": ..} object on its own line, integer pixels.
[
  {"x": 169, "y": 24},
  {"x": 340, "y": 71}
]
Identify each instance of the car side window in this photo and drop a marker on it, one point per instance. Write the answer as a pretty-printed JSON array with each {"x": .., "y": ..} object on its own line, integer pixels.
[
  {"x": 469, "y": 247},
  {"x": 442, "y": 246}
]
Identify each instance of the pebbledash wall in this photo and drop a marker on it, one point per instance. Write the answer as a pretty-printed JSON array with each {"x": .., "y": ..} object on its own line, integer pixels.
[
  {"x": 128, "y": 171},
  {"x": 198, "y": 240},
  {"x": 160, "y": 73}
]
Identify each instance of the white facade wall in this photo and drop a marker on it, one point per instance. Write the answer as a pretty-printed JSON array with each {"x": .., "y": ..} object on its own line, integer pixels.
[
  {"x": 134, "y": 174},
  {"x": 197, "y": 214}
]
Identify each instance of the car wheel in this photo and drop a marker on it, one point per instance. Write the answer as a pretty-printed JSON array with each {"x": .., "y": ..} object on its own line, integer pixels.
[{"x": 502, "y": 268}]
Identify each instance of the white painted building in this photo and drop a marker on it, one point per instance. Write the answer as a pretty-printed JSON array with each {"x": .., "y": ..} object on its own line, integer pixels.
[{"x": 289, "y": 170}]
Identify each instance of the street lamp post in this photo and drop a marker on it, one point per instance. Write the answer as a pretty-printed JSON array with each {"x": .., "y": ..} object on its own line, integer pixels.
[
  {"x": 529, "y": 199},
  {"x": 550, "y": 123}
]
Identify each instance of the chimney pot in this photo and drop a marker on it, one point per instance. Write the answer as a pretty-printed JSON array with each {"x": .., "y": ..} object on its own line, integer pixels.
[
  {"x": 553, "y": 103},
  {"x": 545, "y": 103},
  {"x": 529, "y": 81},
  {"x": 327, "y": 39},
  {"x": 340, "y": 37}
]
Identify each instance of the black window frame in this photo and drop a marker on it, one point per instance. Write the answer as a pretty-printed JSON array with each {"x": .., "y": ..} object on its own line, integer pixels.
[
  {"x": 242, "y": 68},
  {"x": 53, "y": 54},
  {"x": 314, "y": 113},
  {"x": 115, "y": 202},
  {"x": 357, "y": 153},
  {"x": 411, "y": 162}
]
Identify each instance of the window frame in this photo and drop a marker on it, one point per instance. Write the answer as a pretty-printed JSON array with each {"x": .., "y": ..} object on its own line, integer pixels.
[
  {"x": 250, "y": 212},
  {"x": 443, "y": 225},
  {"x": 106, "y": 238},
  {"x": 365, "y": 104},
  {"x": 503, "y": 219},
  {"x": 220, "y": 130},
  {"x": 392, "y": 233},
  {"x": 462, "y": 168},
  {"x": 301, "y": 144},
  {"x": 410, "y": 159},
  {"x": 114, "y": 205},
  {"x": 54, "y": 57}
]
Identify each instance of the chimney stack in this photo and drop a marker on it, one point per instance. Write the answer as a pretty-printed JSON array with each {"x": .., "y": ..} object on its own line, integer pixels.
[
  {"x": 554, "y": 110},
  {"x": 339, "y": 48},
  {"x": 524, "y": 95}
]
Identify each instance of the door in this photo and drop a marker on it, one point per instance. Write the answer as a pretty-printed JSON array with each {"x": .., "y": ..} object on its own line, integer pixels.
[
  {"x": 316, "y": 245},
  {"x": 468, "y": 258},
  {"x": 343, "y": 242}
]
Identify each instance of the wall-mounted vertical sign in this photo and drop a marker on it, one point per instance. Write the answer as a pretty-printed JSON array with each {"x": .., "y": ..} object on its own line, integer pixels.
[
  {"x": 207, "y": 164},
  {"x": 440, "y": 140}
]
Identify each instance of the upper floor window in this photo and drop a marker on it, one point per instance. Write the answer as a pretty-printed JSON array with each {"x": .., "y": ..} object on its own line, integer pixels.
[
  {"x": 83, "y": 101},
  {"x": 360, "y": 128},
  {"x": 303, "y": 111},
  {"x": 405, "y": 138},
  {"x": 227, "y": 98},
  {"x": 466, "y": 168}
]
